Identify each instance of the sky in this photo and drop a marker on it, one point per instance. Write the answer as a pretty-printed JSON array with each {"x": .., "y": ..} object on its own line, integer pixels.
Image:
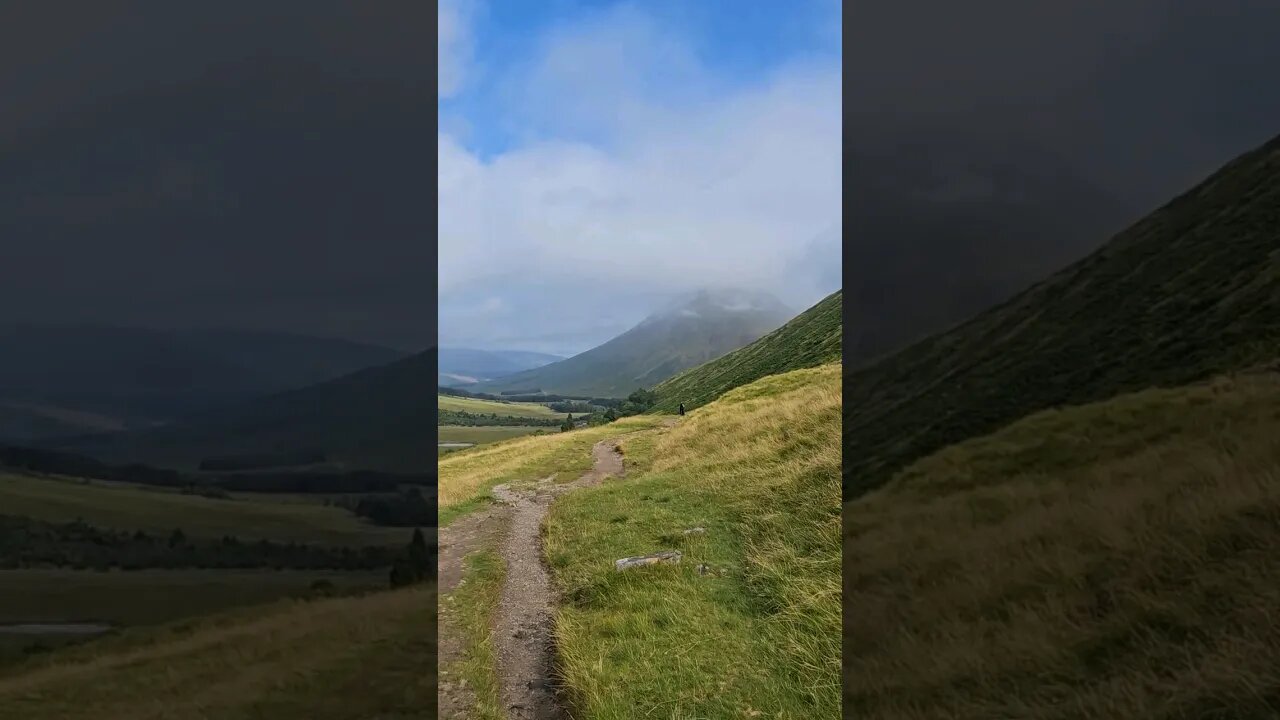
[
  {"x": 596, "y": 159},
  {"x": 242, "y": 164},
  {"x": 1141, "y": 97},
  {"x": 238, "y": 164}
]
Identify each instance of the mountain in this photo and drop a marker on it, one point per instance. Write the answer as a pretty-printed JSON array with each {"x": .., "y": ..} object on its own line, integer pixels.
[
  {"x": 1079, "y": 490},
  {"x": 1190, "y": 291},
  {"x": 809, "y": 339},
  {"x": 465, "y": 366},
  {"x": 948, "y": 225},
  {"x": 379, "y": 418},
  {"x": 688, "y": 332},
  {"x": 64, "y": 379}
]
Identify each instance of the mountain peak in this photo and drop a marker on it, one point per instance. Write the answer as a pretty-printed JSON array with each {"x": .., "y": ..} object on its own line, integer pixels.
[{"x": 722, "y": 300}]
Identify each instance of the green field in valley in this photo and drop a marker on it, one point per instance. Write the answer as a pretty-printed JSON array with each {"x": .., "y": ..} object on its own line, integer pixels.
[
  {"x": 161, "y": 510},
  {"x": 478, "y": 406}
]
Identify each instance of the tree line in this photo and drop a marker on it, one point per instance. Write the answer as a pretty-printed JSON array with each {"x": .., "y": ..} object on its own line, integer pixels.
[
  {"x": 461, "y": 417},
  {"x": 55, "y": 462},
  {"x": 528, "y": 396},
  {"x": 27, "y": 543}
]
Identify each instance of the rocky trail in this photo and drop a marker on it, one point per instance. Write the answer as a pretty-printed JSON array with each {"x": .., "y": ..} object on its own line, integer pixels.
[{"x": 522, "y": 626}]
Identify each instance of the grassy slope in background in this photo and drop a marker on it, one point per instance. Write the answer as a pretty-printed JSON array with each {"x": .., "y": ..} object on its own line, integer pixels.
[
  {"x": 467, "y": 476},
  {"x": 759, "y": 470},
  {"x": 1115, "y": 560},
  {"x": 160, "y": 510},
  {"x": 811, "y": 338},
  {"x": 370, "y": 656},
  {"x": 1191, "y": 291}
]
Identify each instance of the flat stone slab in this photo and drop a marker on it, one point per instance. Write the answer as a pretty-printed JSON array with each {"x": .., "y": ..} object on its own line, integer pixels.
[{"x": 667, "y": 556}]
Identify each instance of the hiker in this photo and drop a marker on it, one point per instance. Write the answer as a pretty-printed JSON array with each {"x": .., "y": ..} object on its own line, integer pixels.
[{"x": 681, "y": 408}]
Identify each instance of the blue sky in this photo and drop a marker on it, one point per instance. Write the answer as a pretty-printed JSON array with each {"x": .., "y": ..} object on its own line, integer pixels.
[
  {"x": 737, "y": 42},
  {"x": 631, "y": 151}
]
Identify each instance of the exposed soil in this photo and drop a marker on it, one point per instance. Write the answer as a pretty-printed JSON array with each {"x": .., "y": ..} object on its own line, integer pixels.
[
  {"x": 522, "y": 627},
  {"x": 522, "y": 631}
]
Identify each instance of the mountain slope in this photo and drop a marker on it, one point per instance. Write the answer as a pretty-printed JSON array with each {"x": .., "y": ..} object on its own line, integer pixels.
[
  {"x": 1113, "y": 560},
  {"x": 688, "y": 333},
  {"x": 811, "y": 338},
  {"x": 380, "y": 418},
  {"x": 1190, "y": 291},
  {"x": 950, "y": 222},
  {"x": 136, "y": 377},
  {"x": 464, "y": 366}
]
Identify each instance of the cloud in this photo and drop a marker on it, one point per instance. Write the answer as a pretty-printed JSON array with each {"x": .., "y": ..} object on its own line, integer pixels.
[
  {"x": 453, "y": 18},
  {"x": 641, "y": 169}
]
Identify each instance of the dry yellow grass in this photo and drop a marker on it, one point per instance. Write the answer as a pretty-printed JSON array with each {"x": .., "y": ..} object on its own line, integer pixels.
[
  {"x": 759, "y": 469},
  {"x": 372, "y": 656},
  {"x": 1116, "y": 560},
  {"x": 468, "y": 475}
]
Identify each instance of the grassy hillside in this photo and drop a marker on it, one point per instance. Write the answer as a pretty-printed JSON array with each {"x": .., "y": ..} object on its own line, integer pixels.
[
  {"x": 1116, "y": 559},
  {"x": 1191, "y": 291},
  {"x": 758, "y": 635},
  {"x": 811, "y": 338},
  {"x": 709, "y": 325},
  {"x": 466, "y": 477},
  {"x": 154, "y": 510},
  {"x": 370, "y": 656},
  {"x": 148, "y": 597}
]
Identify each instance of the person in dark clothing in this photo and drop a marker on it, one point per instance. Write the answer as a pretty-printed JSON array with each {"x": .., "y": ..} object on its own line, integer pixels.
[{"x": 681, "y": 408}]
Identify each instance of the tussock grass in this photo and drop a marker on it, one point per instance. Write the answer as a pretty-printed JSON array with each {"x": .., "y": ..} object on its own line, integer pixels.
[
  {"x": 471, "y": 609},
  {"x": 1119, "y": 560},
  {"x": 371, "y": 656},
  {"x": 759, "y": 636},
  {"x": 465, "y": 477},
  {"x": 160, "y": 510}
]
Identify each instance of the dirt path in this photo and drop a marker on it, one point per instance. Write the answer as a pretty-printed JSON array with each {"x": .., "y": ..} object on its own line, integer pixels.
[
  {"x": 522, "y": 628},
  {"x": 522, "y": 631}
]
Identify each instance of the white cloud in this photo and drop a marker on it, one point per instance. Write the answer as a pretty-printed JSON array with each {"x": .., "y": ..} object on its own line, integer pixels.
[
  {"x": 681, "y": 181},
  {"x": 454, "y": 45}
]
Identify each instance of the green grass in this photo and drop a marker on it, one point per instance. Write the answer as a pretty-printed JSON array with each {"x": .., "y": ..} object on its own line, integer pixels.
[
  {"x": 370, "y": 656},
  {"x": 158, "y": 510},
  {"x": 480, "y": 406},
  {"x": 759, "y": 636},
  {"x": 1189, "y": 292},
  {"x": 483, "y": 434},
  {"x": 149, "y": 597},
  {"x": 1116, "y": 559},
  {"x": 471, "y": 608},
  {"x": 811, "y": 338},
  {"x": 466, "y": 477}
]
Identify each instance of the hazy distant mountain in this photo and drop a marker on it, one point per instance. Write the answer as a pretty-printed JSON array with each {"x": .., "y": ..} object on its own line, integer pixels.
[
  {"x": 378, "y": 418},
  {"x": 690, "y": 331},
  {"x": 809, "y": 339},
  {"x": 466, "y": 366},
  {"x": 66, "y": 379}
]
